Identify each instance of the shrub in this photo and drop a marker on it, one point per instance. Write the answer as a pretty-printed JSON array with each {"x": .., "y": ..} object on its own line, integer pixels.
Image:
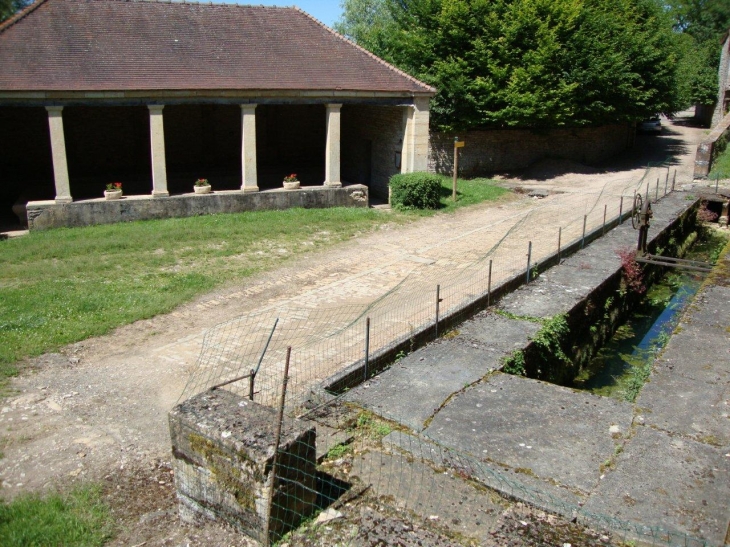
[{"x": 415, "y": 191}]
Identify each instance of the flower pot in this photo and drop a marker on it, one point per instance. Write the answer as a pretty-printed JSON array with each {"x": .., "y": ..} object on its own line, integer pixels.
[
  {"x": 112, "y": 194},
  {"x": 293, "y": 185},
  {"x": 202, "y": 189}
]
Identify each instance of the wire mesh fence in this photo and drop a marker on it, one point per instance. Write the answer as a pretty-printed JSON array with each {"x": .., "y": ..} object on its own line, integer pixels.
[{"x": 334, "y": 339}]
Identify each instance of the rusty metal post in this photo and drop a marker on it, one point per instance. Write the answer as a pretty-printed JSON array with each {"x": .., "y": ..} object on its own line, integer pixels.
[
  {"x": 621, "y": 211},
  {"x": 489, "y": 284},
  {"x": 560, "y": 236},
  {"x": 666, "y": 182},
  {"x": 251, "y": 379},
  {"x": 438, "y": 301},
  {"x": 603, "y": 229},
  {"x": 367, "y": 346},
  {"x": 277, "y": 441},
  {"x": 656, "y": 194},
  {"x": 674, "y": 179},
  {"x": 529, "y": 258},
  {"x": 583, "y": 239}
]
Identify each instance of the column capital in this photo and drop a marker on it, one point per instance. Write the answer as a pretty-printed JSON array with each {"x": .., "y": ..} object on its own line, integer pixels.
[
  {"x": 248, "y": 106},
  {"x": 54, "y": 110},
  {"x": 333, "y": 106},
  {"x": 155, "y": 108}
]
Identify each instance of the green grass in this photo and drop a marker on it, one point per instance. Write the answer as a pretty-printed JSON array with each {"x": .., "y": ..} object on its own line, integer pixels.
[
  {"x": 61, "y": 286},
  {"x": 79, "y": 518},
  {"x": 721, "y": 165},
  {"x": 468, "y": 192}
]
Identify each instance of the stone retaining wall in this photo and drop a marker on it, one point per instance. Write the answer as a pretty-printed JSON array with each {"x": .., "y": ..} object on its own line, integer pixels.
[
  {"x": 49, "y": 214},
  {"x": 709, "y": 148}
]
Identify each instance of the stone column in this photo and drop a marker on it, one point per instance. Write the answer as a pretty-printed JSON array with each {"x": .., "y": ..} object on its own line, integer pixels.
[
  {"x": 58, "y": 154},
  {"x": 414, "y": 156},
  {"x": 157, "y": 143},
  {"x": 332, "y": 154},
  {"x": 249, "y": 176}
]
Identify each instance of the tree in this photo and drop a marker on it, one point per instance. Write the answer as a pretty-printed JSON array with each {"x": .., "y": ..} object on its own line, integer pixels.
[
  {"x": 527, "y": 63},
  {"x": 700, "y": 26},
  {"x": 8, "y": 8}
]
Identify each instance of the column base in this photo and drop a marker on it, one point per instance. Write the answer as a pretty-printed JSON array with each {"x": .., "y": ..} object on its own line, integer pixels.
[
  {"x": 160, "y": 194},
  {"x": 64, "y": 199},
  {"x": 249, "y": 189},
  {"x": 332, "y": 185}
]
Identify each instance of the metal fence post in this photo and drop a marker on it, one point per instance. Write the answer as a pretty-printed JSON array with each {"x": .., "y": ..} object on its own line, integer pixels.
[
  {"x": 529, "y": 258},
  {"x": 621, "y": 211},
  {"x": 277, "y": 441},
  {"x": 367, "y": 346},
  {"x": 666, "y": 182},
  {"x": 489, "y": 284},
  {"x": 603, "y": 229},
  {"x": 560, "y": 235},
  {"x": 656, "y": 194},
  {"x": 674, "y": 179},
  {"x": 583, "y": 239},
  {"x": 438, "y": 300}
]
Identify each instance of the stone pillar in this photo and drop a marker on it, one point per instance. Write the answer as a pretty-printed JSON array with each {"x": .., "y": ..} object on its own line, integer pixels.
[
  {"x": 332, "y": 155},
  {"x": 723, "y": 220},
  {"x": 222, "y": 454},
  {"x": 58, "y": 154},
  {"x": 414, "y": 156},
  {"x": 249, "y": 176},
  {"x": 157, "y": 143}
]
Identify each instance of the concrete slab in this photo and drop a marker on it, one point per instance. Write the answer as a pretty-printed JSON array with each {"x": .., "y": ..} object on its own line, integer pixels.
[
  {"x": 442, "y": 498},
  {"x": 694, "y": 352},
  {"x": 692, "y": 408},
  {"x": 711, "y": 308},
  {"x": 560, "y": 289},
  {"x": 495, "y": 332},
  {"x": 667, "y": 481},
  {"x": 550, "y": 431},
  {"x": 417, "y": 385},
  {"x": 511, "y": 483}
]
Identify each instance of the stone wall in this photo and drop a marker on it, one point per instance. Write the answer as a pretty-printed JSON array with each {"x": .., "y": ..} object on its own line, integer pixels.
[
  {"x": 48, "y": 214},
  {"x": 710, "y": 147},
  {"x": 223, "y": 447},
  {"x": 372, "y": 145},
  {"x": 493, "y": 151}
]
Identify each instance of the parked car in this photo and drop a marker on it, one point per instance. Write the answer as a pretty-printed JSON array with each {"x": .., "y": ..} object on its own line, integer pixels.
[{"x": 652, "y": 125}]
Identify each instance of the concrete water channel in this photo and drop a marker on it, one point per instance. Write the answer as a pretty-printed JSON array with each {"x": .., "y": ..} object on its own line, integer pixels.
[{"x": 657, "y": 469}]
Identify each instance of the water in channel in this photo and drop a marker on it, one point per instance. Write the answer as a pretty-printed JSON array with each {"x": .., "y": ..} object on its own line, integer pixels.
[{"x": 622, "y": 366}]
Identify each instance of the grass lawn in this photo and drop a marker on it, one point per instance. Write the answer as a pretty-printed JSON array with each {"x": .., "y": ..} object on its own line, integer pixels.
[
  {"x": 79, "y": 518},
  {"x": 65, "y": 285}
]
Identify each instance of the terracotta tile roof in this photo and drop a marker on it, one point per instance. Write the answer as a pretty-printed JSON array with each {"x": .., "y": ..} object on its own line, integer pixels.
[{"x": 118, "y": 45}]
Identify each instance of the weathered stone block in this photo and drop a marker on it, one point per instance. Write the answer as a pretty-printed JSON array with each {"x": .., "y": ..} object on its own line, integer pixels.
[{"x": 223, "y": 448}]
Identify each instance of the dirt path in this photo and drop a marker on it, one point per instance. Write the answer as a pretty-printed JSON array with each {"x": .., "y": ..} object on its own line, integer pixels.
[{"x": 98, "y": 410}]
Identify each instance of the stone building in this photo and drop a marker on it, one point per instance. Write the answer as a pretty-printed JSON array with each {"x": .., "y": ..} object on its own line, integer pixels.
[
  {"x": 723, "y": 79},
  {"x": 157, "y": 94}
]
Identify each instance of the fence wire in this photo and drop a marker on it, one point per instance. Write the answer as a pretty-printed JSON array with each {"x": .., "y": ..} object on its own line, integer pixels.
[{"x": 331, "y": 331}]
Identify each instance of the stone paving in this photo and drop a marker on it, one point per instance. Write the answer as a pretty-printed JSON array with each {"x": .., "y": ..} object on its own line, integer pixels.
[{"x": 663, "y": 462}]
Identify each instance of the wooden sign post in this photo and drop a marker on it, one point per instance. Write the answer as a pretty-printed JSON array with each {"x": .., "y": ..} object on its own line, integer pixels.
[{"x": 457, "y": 144}]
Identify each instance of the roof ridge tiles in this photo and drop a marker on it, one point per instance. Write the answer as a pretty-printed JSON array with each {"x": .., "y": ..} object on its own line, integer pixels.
[{"x": 366, "y": 52}]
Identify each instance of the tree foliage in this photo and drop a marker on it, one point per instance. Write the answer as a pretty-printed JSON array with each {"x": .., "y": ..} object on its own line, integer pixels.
[
  {"x": 527, "y": 63},
  {"x": 8, "y": 8},
  {"x": 700, "y": 26}
]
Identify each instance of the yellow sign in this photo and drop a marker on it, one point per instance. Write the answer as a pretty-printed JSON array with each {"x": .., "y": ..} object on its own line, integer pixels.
[{"x": 459, "y": 144}]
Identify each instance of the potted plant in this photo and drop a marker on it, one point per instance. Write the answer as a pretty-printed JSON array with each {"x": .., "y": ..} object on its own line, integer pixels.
[
  {"x": 113, "y": 190},
  {"x": 202, "y": 186},
  {"x": 291, "y": 182}
]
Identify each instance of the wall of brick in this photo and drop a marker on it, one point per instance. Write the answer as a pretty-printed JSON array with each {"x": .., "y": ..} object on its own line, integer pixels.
[
  {"x": 371, "y": 138},
  {"x": 493, "y": 151}
]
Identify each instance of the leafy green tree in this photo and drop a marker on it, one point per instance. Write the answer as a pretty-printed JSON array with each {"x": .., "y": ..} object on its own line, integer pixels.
[
  {"x": 527, "y": 63},
  {"x": 8, "y": 8},
  {"x": 700, "y": 26}
]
